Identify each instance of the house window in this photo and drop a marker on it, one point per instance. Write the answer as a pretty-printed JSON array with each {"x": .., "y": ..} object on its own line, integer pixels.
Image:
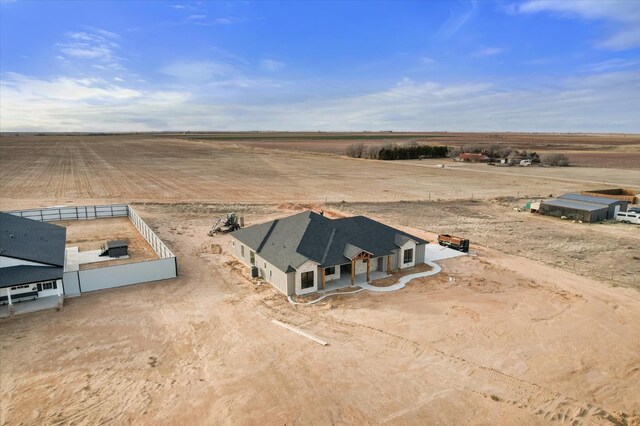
[
  {"x": 306, "y": 279},
  {"x": 233, "y": 243},
  {"x": 49, "y": 285},
  {"x": 408, "y": 256},
  {"x": 270, "y": 274},
  {"x": 252, "y": 257},
  {"x": 242, "y": 251},
  {"x": 265, "y": 265},
  {"x": 330, "y": 270}
]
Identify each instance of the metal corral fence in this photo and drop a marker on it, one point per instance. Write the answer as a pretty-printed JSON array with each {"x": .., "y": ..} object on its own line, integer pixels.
[
  {"x": 156, "y": 243},
  {"x": 73, "y": 213},
  {"x": 77, "y": 282}
]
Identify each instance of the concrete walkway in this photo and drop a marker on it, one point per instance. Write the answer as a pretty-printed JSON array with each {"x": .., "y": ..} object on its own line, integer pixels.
[
  {"x": 386, "y": 289},
  {"x": 403, "y": 280},
  {"x": 432, "y": 252}
]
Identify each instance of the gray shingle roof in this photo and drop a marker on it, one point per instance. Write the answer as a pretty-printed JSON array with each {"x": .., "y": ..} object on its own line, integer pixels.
[
  {"x": 573, "y": 204},
  {"x": 15, "y": 275},
  {"x": 31, "y": 240},
  {"x": 289, "y": 242},
  {"x": 589, "y": 199}
]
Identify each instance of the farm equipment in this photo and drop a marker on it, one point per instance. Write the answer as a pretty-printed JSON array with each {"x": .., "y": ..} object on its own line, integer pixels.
[
  {"x": 231, "y": 223},
  {"x": 453, "y": 242}
]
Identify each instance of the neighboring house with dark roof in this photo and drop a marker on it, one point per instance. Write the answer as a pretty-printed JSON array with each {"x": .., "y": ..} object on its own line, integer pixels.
[
  {"x": 31, "y": 258},
  {"x": 299, "y": 254}
]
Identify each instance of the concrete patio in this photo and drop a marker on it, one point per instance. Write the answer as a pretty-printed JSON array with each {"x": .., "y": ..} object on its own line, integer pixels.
[
  {"x": 345, "y": 281},
  {"x": 27, "y": 306}
]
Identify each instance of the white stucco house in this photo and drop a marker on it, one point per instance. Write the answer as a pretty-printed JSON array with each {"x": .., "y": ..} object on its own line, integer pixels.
[{"x": 307, "y": 252}]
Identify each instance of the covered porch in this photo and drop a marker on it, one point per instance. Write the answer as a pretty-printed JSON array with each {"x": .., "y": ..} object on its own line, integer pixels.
[
  {"x": 27, "y": 306},
  {"x": 361, "y": 269},
  {"x": 345, "y": 281}
]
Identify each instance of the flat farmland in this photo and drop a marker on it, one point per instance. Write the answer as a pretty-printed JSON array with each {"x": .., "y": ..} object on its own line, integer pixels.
[
  {"x": 593, "y": 150},
  {"x": 52, "y": 170}
]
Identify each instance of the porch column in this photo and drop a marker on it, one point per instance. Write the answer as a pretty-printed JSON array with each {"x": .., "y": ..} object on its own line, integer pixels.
[
  {"x": 10, "y": 302},
  {"x": 353, "y": 272},
  {"x": 324, "y": 280},
  {"x": 388, "y": 264},
  {"x": 368, "y": 267}
]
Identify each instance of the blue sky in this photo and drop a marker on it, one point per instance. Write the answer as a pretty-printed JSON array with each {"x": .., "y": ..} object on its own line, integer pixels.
[{"x": 533, "y": 65}]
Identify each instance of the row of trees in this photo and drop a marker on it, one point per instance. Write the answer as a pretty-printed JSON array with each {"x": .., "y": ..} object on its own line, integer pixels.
[{"x": 396, "y": 152}]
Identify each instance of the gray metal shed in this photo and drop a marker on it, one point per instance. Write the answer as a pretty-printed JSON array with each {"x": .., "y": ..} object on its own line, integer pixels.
[
  {"x": 614, "y": 206},
  {"x": 575, "y": 210}
]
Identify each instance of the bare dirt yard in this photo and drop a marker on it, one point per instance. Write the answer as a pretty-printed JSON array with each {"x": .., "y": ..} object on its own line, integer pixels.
[
  {"x": 91, "y": 234},
  {"x": 540, "y": 325}
]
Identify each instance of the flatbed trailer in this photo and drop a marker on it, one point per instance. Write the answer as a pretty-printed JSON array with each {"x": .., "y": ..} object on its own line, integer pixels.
[{"x": 456, "y": 243}]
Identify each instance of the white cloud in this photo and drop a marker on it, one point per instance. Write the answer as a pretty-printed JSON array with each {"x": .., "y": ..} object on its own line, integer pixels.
[
  {"x": 30, "y": 103},
  {"x": 606, "y": 102},
  {"x": 271, "y": 65},
  {"x": 197, "y": 16},
  {"x": 97, "y": 45},
  {"x": 623, "y": 15},
  {"x": 488, "y": 51},
  {"x": 457, "y": 19},
  {"x": 612, "y": 64}
]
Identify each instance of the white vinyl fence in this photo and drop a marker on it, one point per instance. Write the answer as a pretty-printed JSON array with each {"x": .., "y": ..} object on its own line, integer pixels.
[
  {"x": 156, "y": 243},
  {"x": 126, "y": 274},
  {"x": 81, "y": 281}
]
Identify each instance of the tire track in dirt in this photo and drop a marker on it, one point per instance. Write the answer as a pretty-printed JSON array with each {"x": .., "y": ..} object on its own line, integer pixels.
[{"x": 488, "y": 382}]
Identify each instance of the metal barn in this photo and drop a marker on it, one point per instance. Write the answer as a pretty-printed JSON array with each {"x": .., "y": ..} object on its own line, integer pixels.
[
  {"x": 614, "y": 206},
  {"x": 575, "y": 210}
]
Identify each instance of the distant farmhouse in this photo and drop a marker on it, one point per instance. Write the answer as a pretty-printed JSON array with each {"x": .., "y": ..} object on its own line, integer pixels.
[
  {"x": 472, "y": 158},
  {"x": 308, "y": 252}
]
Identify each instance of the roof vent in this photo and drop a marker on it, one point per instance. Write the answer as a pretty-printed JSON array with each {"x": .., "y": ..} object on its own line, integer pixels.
[{"x": 11, "y": 236}]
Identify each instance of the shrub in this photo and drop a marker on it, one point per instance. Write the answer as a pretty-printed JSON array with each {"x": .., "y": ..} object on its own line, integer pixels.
[
  {"x": 355, "y": 150},
  {"x": 558, "y": 160},
  {"x": 372, "y": 152}
]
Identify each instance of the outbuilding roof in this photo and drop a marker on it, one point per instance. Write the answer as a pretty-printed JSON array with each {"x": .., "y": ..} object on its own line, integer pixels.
[
  {"x": 574, "y": 204},
  {"x": 31, "y": 240},
  {"x": 289, "y": 242},
  {"x": 589, "y": 199}
]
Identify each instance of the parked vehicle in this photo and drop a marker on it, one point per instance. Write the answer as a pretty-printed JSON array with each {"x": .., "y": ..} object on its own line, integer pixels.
[
  {"x": 454, "y": 242},
  {"x": 633, "y": 210},
  {"x": 525, "y": 163},
  {"x": 628, "y": 217}
]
